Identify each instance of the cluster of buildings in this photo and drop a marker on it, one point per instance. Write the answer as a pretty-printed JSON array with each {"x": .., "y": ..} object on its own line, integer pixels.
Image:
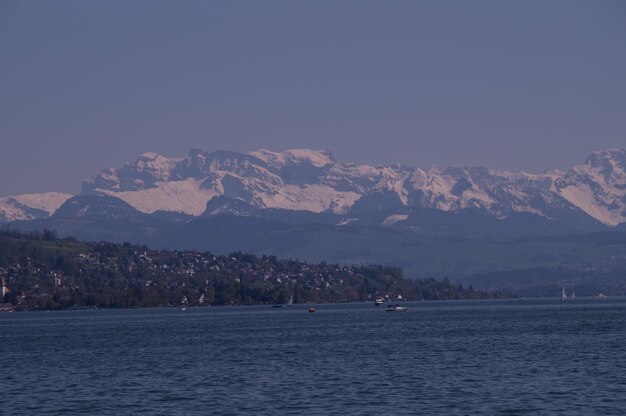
[{"x": 113, "y": 275}]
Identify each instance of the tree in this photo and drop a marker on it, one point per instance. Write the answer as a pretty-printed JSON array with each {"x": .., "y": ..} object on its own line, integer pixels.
[{"x": 49, "y": 235}]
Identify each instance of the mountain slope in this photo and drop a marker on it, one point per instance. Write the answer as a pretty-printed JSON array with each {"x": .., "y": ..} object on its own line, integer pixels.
[
  {"x": 30, "y": 206},
  {"x": 599, "y": 186},
  {"x": 101, "y": 217}
]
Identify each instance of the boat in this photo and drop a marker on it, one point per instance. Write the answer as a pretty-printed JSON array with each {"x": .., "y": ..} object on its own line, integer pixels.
[
  {"x": 311, "y": 310},
  {"x": 573, "y": 296},
  {"x": 379, "y": 301},
  {"x": 290, "y": 301},
  {"x": 563, "y": 294},
  {"x": 277, "y": 306},
  {"x": 396, "y": 308}
]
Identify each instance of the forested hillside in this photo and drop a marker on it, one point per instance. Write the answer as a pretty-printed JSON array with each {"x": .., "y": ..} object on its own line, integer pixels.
[{"x": 42, "y": 271}]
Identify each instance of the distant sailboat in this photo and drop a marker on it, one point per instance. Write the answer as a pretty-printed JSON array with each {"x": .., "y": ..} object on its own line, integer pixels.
[
  {"x": 290, "y": 301},
  {"x": 563, "y": 294},
  {"x": 573, "y": 295}
]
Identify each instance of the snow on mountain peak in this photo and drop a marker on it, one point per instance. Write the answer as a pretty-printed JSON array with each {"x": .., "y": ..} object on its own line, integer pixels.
[
  {"x": 30, "y": 206},
  {"x": 146, "y": 171},
  {"x": 318, "y": 158},
  {"x": 610, "y": 153},
  {"x": 599, "y": 186},
  {"x": 611, "y": 163},
  {"x": 312, "y": 180},
  {"x": 159, "y": 167}
]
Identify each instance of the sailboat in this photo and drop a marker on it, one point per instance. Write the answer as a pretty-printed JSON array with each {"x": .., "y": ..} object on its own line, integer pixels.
[
  {"x": 290, "y": 301},
  {"x": 573, "y": 296},
  {"x": 563, "y": 294}
]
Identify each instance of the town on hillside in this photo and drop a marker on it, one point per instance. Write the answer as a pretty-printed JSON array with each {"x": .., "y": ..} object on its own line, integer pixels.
[{"x": 41, "y": 271}]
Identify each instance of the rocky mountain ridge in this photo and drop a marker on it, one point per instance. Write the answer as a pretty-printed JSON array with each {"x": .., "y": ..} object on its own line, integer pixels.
[{"x": 224, "y": 182}]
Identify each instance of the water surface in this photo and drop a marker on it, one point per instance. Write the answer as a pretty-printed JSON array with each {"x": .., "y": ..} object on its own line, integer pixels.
[{"x": 460, "y": 357}]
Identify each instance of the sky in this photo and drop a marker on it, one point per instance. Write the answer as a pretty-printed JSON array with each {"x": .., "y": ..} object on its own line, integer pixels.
[{"x": 524, "y": 85}]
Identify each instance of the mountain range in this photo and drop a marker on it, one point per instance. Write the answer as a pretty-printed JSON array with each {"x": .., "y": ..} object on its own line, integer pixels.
[{"x": 588, "y": 197}]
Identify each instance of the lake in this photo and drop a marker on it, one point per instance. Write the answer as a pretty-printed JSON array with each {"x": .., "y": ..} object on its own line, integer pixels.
[{"x": 449, "y": 357}]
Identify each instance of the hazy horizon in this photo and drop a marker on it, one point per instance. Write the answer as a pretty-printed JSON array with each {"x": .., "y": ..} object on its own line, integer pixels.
[{"x": 517, "y": 86}]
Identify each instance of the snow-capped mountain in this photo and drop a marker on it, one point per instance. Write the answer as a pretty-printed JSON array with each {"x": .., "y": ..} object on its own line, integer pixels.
[
  {"x": 30, "y": 206},
  {"x": 205, "y": 183},
  {"x": 314, "y": 181},
  {"x": 294, "y": 180},
  {"x": 598, "y": 187}
]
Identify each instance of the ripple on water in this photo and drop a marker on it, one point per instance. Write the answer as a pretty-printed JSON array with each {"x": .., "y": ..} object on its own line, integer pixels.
[{"x": 438, "y": 358}]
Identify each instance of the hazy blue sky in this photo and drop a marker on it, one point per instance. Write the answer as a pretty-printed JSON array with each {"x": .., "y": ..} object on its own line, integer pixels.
[{"x": 518, "y": 85}]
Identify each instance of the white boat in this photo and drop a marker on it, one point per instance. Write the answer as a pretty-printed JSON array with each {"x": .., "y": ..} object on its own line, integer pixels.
[
  {"x": 379, "y": 301},
  {"x": 563, "y": 294},
  {"x": 396, "y": 308},
  {"x": 290, "y": 301},
  {"x": 573, "y": 296}
]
